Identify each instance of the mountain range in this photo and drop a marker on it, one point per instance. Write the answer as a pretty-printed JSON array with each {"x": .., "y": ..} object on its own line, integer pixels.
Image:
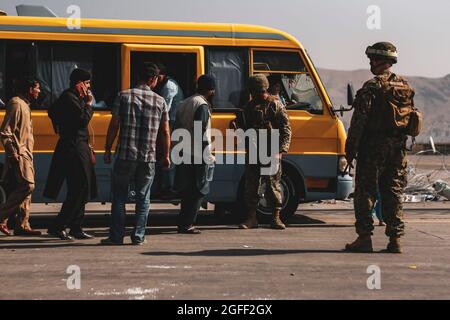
[{"x": 432, "y": 98}]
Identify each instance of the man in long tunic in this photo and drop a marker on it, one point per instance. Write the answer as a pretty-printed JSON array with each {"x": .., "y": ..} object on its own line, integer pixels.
[{"x": 16, "y": 135}]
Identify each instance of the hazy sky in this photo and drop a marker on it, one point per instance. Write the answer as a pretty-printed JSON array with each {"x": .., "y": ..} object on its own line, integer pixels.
[{"x": 334, "y": 32}]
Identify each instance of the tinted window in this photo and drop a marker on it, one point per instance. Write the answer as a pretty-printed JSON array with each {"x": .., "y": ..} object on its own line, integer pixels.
[
  {"x": 19, "y": 62},
  {"x": 277, "y": 61},
  {"x": 2, "y": 75},
  {"x": 227, "y": 66},
  {"x": 51, "y": 64},
  {"x": 57, "y": 61}
]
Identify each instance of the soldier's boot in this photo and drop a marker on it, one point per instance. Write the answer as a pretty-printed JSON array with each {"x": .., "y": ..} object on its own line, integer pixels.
[
  {"x": 361, "y": 244},
  {"x": 276, "y": 221},
  {"x": 394, "y": 245},
  {"x": 251, "y": 222}
]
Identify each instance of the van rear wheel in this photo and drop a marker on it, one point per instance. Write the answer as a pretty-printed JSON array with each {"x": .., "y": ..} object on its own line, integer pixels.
[
  {"x": 291, "y": 189},
  {"x": 290, "y": 195}
]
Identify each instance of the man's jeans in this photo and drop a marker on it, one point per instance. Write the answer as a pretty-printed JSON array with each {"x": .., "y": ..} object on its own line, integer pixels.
[{"x": 125, "y": 172}]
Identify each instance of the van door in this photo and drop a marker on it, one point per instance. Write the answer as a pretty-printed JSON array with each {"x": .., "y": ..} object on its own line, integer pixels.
[{"x": 184, "y": 64}]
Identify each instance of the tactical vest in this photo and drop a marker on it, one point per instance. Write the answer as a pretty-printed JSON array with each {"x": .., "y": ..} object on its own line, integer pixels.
[{"x": 261, "y": 116}]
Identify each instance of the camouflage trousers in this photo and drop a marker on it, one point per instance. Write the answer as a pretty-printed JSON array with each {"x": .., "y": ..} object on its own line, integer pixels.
[
  {"x": 380, "y": 168},
  {"x": 254, "y": 183}
]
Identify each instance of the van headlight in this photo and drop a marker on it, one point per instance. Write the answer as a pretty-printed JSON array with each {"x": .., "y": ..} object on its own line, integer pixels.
[{"x": 342, "y": 164}]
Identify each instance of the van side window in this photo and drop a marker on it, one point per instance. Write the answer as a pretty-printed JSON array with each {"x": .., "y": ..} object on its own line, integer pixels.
[
  {"x": 51, "y": 64},
  {"x": 278, "y": 61},
  {"x": 56, "y": 62},
  {"x": 18, "y": 62},
  {"x": 227, "y": 66},
  {"x": 2, "y": 75},
  {"x": 289, "y": 79}
]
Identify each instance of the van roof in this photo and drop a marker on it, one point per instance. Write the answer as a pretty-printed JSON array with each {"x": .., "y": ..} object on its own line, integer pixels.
[{"x": 103, "y": 27}]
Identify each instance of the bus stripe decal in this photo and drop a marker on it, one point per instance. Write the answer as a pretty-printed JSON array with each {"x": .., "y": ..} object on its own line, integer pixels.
[{"x": 146, "y": 32}]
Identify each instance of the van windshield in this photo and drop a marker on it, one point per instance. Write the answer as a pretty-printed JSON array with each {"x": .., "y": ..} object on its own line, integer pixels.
[{"x": 289, "y": 80}]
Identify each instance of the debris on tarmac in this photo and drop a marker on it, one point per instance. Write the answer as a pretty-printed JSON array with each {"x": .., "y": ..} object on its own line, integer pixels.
[
  {"x": 430, "y": 184},
  {"x": 442, "y": 188}
]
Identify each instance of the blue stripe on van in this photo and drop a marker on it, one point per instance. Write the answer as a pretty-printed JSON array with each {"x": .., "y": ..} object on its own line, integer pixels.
[{"x": 145, "y": 32}]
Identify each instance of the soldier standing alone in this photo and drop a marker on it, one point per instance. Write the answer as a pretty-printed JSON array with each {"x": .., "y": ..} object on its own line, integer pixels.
[
  {"x": 264, "y": 111},
  {"x": 377, "y": 137}
]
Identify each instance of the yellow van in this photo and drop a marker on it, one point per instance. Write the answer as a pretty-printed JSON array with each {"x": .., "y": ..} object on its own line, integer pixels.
[{"x": 112, "y": 50}]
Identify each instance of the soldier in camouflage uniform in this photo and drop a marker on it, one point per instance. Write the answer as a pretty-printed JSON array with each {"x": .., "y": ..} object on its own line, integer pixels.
[
  {"x": 264, "y": 111},
  {"x": 380, "y": 153}
]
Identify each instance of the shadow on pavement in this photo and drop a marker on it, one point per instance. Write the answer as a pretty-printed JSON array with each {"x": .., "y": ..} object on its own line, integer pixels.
[
  {"x": 238, "y": 252},
  {"x": 165, "y": 218}
]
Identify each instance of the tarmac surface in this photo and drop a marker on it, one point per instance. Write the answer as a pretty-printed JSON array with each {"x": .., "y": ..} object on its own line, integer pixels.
[{"x": 305, "y": 261}]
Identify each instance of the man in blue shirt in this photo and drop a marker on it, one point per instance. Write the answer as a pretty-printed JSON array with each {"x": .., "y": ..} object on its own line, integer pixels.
[{"x": 171, "y": 91}]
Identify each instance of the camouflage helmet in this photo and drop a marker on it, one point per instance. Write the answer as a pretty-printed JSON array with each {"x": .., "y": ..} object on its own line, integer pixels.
[
  {"x": 382, "y": 50},
  {"x": 257, "y": 82}
]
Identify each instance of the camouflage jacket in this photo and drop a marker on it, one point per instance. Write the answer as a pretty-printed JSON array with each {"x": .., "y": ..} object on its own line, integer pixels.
[
  {"x": 269, "y": 115},
  {"x": 364, "y": 118}
]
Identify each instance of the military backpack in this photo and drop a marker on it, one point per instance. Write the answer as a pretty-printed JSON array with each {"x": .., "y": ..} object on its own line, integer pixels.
[{"x": 397, "y": 99}]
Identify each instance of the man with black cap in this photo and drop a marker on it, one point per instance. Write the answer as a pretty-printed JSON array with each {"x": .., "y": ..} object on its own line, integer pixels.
[
  {"x": 192, "y": 179},
  {"x": 72, "y": 160},
  {"x": 378, "y": 143}
]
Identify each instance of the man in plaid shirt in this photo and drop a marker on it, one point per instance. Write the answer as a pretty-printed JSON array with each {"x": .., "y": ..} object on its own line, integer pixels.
[{"x": 140, "y": 115}]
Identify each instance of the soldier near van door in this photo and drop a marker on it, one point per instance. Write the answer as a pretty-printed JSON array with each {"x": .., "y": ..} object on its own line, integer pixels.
[
  {"x": 384, "y": 116},
  {"x": 264, "y": 111},
  {"x": 16, "y": 134}
]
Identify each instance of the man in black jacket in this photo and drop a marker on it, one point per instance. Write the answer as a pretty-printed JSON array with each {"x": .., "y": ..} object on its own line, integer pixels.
[{"x": 72, "y": 161}]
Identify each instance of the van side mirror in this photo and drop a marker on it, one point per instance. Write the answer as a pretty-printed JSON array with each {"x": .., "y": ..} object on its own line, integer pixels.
[
  {"x": 350, "y": 99},
  {"x": 350, "y": 94}
]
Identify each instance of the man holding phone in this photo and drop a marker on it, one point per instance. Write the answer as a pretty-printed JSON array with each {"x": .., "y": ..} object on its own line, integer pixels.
[{"x": 72, "y": 160}]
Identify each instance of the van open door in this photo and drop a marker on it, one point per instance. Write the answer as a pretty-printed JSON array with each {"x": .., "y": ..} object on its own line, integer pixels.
[{"x": 184, "y": 64}]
